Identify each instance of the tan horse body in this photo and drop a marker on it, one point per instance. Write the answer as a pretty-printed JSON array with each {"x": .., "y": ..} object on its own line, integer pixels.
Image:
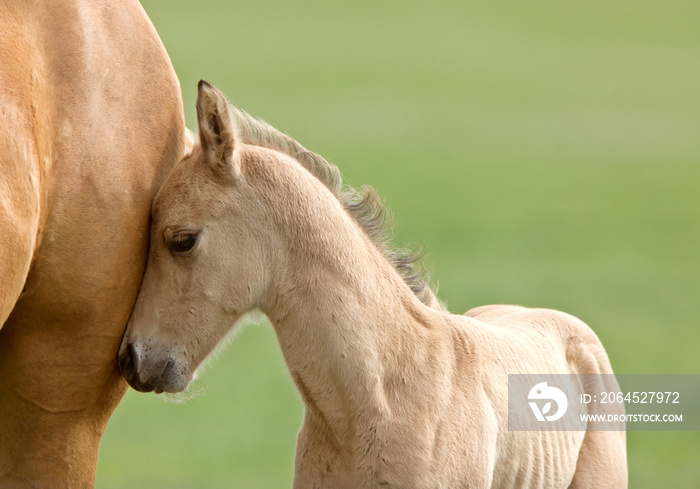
[
  {"x": 91, "y": 122},
  {"x": 397, "y": 391}
]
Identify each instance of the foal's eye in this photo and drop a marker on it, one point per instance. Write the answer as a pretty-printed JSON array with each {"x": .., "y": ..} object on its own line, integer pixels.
[{"x": 182, "y": 242}]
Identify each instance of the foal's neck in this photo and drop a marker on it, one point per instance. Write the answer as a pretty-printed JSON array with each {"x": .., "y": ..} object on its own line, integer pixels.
[{"x": 346, "y": 322}]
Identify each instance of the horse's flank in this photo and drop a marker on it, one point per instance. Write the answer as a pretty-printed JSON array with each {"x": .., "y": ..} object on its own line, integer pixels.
[
  {"x": 91, "y": 122},
  {"x": 396, "y": 393}
]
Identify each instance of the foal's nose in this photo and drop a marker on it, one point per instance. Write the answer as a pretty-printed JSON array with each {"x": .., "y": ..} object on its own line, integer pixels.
[{"x": 129, "y": 362}]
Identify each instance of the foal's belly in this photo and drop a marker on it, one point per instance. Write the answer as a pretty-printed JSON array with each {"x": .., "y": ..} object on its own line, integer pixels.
[{"x": 537, "y": 459}]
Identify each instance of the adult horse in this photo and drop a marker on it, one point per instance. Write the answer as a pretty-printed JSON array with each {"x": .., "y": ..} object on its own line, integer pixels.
[{"x": 91, "y": 122}]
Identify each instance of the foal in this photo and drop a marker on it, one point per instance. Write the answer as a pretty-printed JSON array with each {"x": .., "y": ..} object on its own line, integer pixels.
[{"x": 397, "y": 391}]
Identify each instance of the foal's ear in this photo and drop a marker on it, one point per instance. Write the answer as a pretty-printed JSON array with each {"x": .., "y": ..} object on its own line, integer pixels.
[{"x": 216, "y": 132}]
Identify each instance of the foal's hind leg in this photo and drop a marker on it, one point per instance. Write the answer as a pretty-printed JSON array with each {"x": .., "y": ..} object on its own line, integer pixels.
[{"x": 602, "y": 461}]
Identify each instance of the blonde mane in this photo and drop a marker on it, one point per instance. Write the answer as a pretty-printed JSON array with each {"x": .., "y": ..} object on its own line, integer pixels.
[{"x": 363, "y": 204}]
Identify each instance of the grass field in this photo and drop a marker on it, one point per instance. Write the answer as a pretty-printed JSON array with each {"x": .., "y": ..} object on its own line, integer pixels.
[{"x": 545, "y": 153}]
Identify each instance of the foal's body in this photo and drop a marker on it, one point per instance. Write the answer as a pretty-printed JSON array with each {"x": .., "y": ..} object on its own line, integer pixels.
[
  {"x": 433, "y": 411},
  {"x": 398, "y": 392}
]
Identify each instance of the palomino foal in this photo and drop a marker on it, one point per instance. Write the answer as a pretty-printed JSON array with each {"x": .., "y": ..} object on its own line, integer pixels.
[{"x": 398, "y": 392}]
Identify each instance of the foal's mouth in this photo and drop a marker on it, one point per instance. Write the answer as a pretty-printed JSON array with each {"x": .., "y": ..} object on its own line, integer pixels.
[{"x": 157, "y": 385}]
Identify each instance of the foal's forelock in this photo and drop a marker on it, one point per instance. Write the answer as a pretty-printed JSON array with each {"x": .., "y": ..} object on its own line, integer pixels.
[{"x": 364, "y": 205}]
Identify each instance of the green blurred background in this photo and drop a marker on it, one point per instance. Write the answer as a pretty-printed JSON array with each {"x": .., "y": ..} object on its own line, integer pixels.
[{"x": 546, "y": 153}]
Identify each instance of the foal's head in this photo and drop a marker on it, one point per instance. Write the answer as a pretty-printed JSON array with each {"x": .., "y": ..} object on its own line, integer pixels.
[
  {"x": 234, "y": 214},
  {"x": 208, "y": 256}
]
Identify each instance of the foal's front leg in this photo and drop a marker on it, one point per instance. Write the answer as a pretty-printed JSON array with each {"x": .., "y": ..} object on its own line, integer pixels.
[{"x": 318, "y": 462}]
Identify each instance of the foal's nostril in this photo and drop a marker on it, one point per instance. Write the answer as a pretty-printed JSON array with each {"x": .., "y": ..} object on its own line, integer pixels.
[{"x": 128, "y": 362}]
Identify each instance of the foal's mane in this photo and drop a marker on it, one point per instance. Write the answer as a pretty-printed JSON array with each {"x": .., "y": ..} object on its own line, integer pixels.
[{"x": 364, "y": 205}]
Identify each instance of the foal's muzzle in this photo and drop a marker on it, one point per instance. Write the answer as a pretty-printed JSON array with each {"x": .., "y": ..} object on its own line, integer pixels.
[{"x": 158, "y": 378}]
